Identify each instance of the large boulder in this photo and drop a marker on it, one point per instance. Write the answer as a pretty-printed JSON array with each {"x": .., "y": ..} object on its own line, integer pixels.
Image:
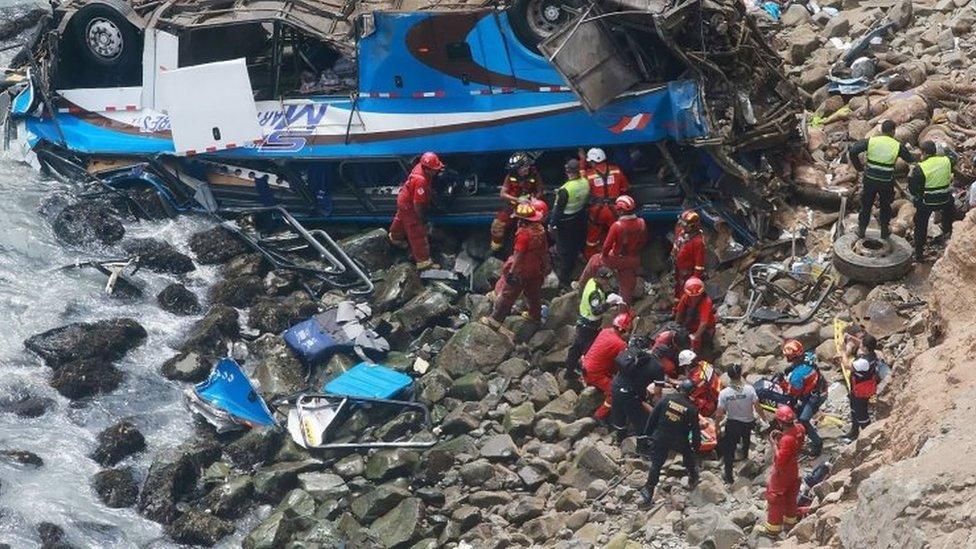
[
  {"x": 159, "y": 256},
  {"x": 589, "y": 465},
  {"x": 255, "y": 447},
  {"x": 25, "y": 405},
  {"x": 371, "y": 249},
  {"x": 499, "y": 448},
  {"x": 117, "y": 442},
  {"x": 22, "y": 457},
  {"x": 210, "y": 335},
  {"x": 275, "y": 315},
  {"x": 485, "y": 275},
  {"x": 391, "y": 463},
  {"x": 400, "y": 525},
  {"x": 273, "y": 481},
  {"x": 473, "y": 347},
  {"x": 377, "y": 502},
  {"x": 518, "y": 420},
  {"x": 217, "y": 245},
  {"x": 762, "y": 340},
  {"x": 88, "y": 222},
  {"x": 237, "y": 292},
  {"x": 196, "y": 527},
  {"x": 84, "y": 378},
  {"x": 323, "y": 486},
  {"x": 178, "y": 300},
  {"x": 472, "y": 386},
  {"x": 710, "y": 526},
  {"x": 275, "y": 366},
  {"x": 230, "y": 498},
  {"x": 116, "y": 488},
  {"x": 187, "y": 366},
  {"x": 400, "y": 285},
  {"x": 423, "y": 310},
  {"x": 171, "y": 479},
  {"x": 295, "y": 513},
  {"x": 103, "y": 340}
]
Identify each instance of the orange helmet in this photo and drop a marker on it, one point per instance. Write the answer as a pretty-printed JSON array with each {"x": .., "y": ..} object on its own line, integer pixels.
[
  {"x": 431, "y": 161},
  {"x": 625, "y": 204},
  {"x": 623, "y": 321},
  {"x": 792, "y": 349},
  {"x": 691, "y": 217},
  {"x": 694, "y": 286},
  {"x": 785, "y": 414}
]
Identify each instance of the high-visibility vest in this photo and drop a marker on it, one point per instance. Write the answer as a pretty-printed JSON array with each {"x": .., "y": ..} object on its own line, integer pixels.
[
  {"x": 938, "y": 178},
  {"x": 882, "y": 155},
  {"x": 577, "y": 193},
  {"x": 589, "y": 291}
]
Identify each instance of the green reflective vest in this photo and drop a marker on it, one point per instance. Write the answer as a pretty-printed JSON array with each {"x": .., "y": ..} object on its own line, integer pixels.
[
  {"x": 591, "y": 292},
  {"x": 938, "y": 177},
  {"x": 882, "y": 155},
  {"x": 577, "y": 193}
]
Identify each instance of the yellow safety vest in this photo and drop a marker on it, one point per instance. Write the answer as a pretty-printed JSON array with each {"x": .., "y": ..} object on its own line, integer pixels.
[
  {"x": 882, "y": 155},
  {"x": 577, "y": 193},
  {"x": 589, "y": 290},
  {"x": 938, "y": 178}
]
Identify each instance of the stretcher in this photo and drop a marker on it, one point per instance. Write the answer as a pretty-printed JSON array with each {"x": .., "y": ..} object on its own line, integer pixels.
[{"x": 771, "y": 395}]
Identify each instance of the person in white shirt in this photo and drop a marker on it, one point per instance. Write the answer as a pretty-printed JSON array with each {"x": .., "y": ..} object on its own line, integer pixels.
[{"x": 739, "y": 404}]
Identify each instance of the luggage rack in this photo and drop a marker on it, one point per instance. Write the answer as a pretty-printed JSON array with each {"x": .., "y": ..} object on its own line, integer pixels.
[{"x": 290, "y": 250}]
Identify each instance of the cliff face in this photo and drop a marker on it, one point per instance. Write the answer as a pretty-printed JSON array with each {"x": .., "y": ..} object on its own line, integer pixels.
[{"x": 910, "y": 480}]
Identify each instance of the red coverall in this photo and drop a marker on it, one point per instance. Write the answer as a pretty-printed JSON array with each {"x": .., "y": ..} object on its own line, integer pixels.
[
  {"x": 607, "y": 182},
  {"x": 524, "y": 272},
  {"x": 692, "y": 317},
  {"x": 784, "y": 479},
  {"x": 412, "y": 203},
  {"x": 665, "y": 353},
  {"x": 621, "y": 252},
  {"x": 599, "y": 366},
  {"x": 707, "y": 386},
  {"x": 688, "y": 255},
  {"x": 517, "y": 186}
]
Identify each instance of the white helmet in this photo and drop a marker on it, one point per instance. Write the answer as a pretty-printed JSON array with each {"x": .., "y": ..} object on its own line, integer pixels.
[
  {"x": 596, "y": 155},
  {"x": 686, "y": 357},
  {"x": 861, "y": 365}
]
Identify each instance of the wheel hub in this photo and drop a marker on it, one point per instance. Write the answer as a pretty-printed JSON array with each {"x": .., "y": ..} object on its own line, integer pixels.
[
  {"x": 545, "y": 17},
  {"x": 871, "y": 247},
  {"x": 104, "y": 38}
]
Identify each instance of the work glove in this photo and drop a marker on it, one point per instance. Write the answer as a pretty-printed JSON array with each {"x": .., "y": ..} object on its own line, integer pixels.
[{"x": 615, "y": 299}]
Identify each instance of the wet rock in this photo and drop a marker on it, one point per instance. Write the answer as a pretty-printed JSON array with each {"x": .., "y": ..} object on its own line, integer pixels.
[
  {"x": 52, "y": 536},
  {"x": 237, "y": 292},
  {"x": 104, "y": 340},
  {"x": 499, "y": 448},
  {"x": 171, "y": 478},
  {"x": 84, "y": 378},
  {"x": 322, "y": 534},
  {"x": 116, "y": 488},
  {"x": 400, "y": 285},
  {"x": 118, "y": 442},
  {"x": 400, "y": 525},
  {"x": 323, "y": 486},
  {"x": 22, "y": 457},
  {"x": 229, "y": 499},
  {"x": 473, "y": 347},
  {"x": 210, "y": 335},
  {"x": 377, "y": 502},
  {"x": 423, "y": 310},
  {"x": 26, "y": 406},
  {"x": 187, "y": 366},
  {"x": 391, "y": 463},
  {"x": 274, "y": 316},
  {"x": 294, "y": 514},
  {"x": 217, "y": 245},
  {"x": 196, "y": 527},
  {"x": 371, "y": 249},
  {"x": 88, "y": 222},
  {"x": 275, "y": 367},
  {"x": 250, "y": 264},
  {"x": 519, "y": 419},
  {"x": 349, "y": 466},
  {"x": 472, "y": 386},
  {"x": 178, "y": 300},
  {"x": 255, "y": 447},
  {"x": 273, "y": 481},
  {"x": 159, "y": 256}
]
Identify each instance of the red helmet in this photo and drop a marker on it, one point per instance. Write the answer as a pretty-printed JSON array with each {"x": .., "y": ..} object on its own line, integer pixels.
[
  {"x": 690, "y": 217},
  {"x": 792, "y": 349},
  {"x": 540, "y": 207},
  {"x": 431, "y": 161},
  {"x": 625, "y": 204},
  {"x": 784, "y": 414},
  {"x": 694, "y": 286},
  {"x": 623, "y": 321}
]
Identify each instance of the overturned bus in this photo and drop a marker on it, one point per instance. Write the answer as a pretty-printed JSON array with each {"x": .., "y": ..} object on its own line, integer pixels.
[{"x": 320, "y": 106}]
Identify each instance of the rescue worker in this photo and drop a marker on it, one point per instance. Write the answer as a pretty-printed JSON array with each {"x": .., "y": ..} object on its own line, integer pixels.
[
  {"x": 878, "y": 181},
  {"x": 606, "y": 182},
  {"x": 599, "y": 362},
  {"x": 783, "y": 486},
  {"x": 568, "y": 221},
  {"x": 409, "y": 226},
  {"x": 739, "y": 405},
  {"x": 522, "y": 183},
  {"x": 668, "y": 343},
  {"x": 864, "y": 385},
  {"x": 706, "y": 380},
  {"x": 526, "y": 269},
  {"x": 930, "y": 184},
  {"x": 688, "y": 251},
  {"x": 639, "y": 382},
  {"x": 595, "y": 300},
  {"x": 621, "y": 249},
  {"x": 805, "y": 384},
  {"x": 696, "y": 313},
  {"x": 673, "y": 427}
]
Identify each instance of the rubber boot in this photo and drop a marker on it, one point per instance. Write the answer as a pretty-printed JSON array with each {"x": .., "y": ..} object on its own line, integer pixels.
[
  {"x": 769, "y": 530},
  {"x": 647, "y": 495},
  {"x": 425, "y": 265}
]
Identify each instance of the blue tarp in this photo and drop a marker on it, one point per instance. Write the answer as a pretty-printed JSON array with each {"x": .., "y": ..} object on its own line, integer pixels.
[
  {"x": 228, "y": 389},
  {"x": 368, "y": 381}
]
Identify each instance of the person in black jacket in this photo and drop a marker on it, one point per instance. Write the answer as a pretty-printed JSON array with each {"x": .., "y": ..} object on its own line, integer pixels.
[
  {"x": 674, "y": 426},
  {"x": 639, "y": 374}
]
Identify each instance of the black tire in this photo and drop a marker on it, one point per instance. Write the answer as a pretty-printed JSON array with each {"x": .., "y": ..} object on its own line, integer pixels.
[
  {"x": 530, "y": 34},
  {"x": 893, "y": 263},
  {"x": 122, "y": 46}
]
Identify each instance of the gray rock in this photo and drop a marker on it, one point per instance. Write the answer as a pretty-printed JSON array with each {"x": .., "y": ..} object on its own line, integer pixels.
[
  {"x": 116, "y": 488},
  {"x": 477, "y": 472},
  {"x": 461, "y": 420},
  {"x": 229, "y": 499},
  {"x": 349, "y": 466},
  {"x": 423, "y": 310},
  {"x": 294, "y": 514},
  {"x": 486, "y": 499},
  {"x": 570, "y": 499},
  {"x": 525, "y": 509},
  {"x": 471, "y": 386},
  {"x": 275, "y": 366},
  {"x": 473, "y": 347},
  {"x": 391, "y": 463},
  {"x": 255, "y": 447},
  {"x": 519, "y": 419},
  {"x": 762, "y": 340},
  {"x": 499, "y": 448},
  {"x": 433, "y": 386},
  {"x": 377, "y": 502},
  {"x": 808, "y": 334},
  {"x": 802, "y": 42},
  {"x": 322, "y": 534},
  {"x": 513, "y": 368},
  {"x": 273, "y": 481},
  {"x": 176, "y": 299},
  {"x": 85, "y": 378},
  {"x": 710, "y": 490},
  {"x": 541, "y": 387},
  {"x": 323, "y": 486},
  {"x": 23, "y": 457},
  {"x": 563, "y": 408},
  {"x": 400, "y": 285},
  {"x": 118, "y": 442},
  {"x": 25, "y": 406},
  {"x": 196, "y": 527},
  {"x": 158, "y": 256},
  {"x": 711, "y": 525},
  {"x": 275, "y": 315},
  {"x": 577, "y": 429},
  {"x": 210, "y": 335},
  {"x": 237, "y": 292},
  {"x": 104, "y": 340},
  {"x": 171, "y": 478},
  {"x": 88, "y": 222},
  {"x": 533, "y": 475},
  {"x": 217, "y": 245},
  {"x": 371, "y": 248},
  {"x": 590, "y": 464},
  {"x": 590, "y": 398},
  {"x": 401, "y": 525},
  {"x": 187, "y": 366},
  {"x": 486, "y": 274},
  {"x": 546, "y": 429},
  {"x": 795, "y": 15}
]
